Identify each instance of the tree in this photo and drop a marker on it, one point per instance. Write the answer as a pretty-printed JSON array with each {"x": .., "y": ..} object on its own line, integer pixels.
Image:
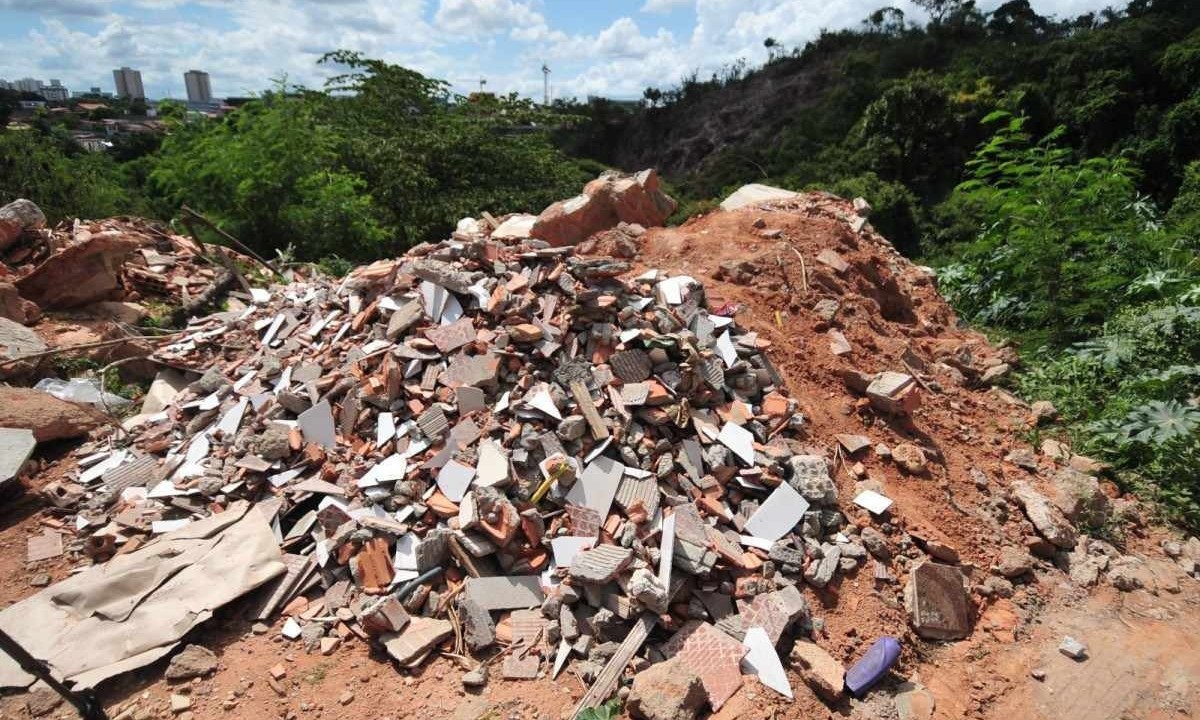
[
  {"x": 939, "y": 9},
  {"x": 906, "y": 129}
]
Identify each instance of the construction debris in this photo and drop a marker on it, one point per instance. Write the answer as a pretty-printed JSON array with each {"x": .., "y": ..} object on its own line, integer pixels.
[{"x": 495, "y": 444}]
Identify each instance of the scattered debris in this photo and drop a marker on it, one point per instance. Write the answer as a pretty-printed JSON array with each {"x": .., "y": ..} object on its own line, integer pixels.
[{"x": 1072, "y": 648}]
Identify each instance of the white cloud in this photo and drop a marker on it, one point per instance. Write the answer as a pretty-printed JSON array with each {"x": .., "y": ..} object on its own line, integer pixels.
[
  {"x": 243, "y": 44},
  {"x": 479, "y": 18},
  {"x": 663, "y": 6}
]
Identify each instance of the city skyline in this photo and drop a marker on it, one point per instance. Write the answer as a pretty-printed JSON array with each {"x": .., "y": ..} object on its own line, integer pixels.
[{"x": 612, "y": 49}]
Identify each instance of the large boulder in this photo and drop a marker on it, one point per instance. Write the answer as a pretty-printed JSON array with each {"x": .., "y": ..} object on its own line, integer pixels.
[
  {"x": 17, "y": 217},
  {"x": 610, "y": 199},
  {"x": 666, "y": 691},
  {"x": 48, "y": 417},
  {"x": 80, "y": 274}
]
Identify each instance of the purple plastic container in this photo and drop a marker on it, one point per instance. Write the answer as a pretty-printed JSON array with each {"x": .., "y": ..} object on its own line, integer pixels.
[{"x": 871, "y": 668}]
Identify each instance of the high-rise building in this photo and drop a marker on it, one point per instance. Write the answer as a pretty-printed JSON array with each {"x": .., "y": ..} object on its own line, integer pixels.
[
  {"x": 129, "y": 83},
  {"x": 55, "y": 92},
  {"x": 198, "y": 88},
  {"x": 28, "y": 85}
]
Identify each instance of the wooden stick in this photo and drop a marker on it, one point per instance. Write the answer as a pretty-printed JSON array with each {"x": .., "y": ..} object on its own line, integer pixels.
[
  {"x": 231, "y": 239},
  {"x": 606, "y": 681},
  {"x": 85, "y": 346}
]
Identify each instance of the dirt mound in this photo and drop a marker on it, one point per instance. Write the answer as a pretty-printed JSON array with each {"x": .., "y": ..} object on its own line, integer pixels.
[{"x": 843, "y": 366}]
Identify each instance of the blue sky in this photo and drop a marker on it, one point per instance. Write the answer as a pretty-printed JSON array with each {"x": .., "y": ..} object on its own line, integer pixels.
[{"x": 593, "y": 47}]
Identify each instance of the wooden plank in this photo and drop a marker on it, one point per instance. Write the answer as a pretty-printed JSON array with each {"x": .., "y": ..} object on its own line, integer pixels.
[
  {"x": 588, "y": 408},
  {"x": 606, "y": 681}
]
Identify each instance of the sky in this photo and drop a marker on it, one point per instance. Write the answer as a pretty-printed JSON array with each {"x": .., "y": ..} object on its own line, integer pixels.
[{"x": 613, "y": 48}]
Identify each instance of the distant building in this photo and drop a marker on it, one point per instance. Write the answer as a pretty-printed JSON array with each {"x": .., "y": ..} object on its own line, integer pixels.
[
  {"x": 129, "y": 83},
  {"x": 55, "y": 92},
  {"x": 28, "y": 85},
  {"x": 199, "y": 91}
]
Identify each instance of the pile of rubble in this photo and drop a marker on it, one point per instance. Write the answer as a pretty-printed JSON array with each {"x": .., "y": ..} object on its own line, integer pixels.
[
  {"x": 107, "y": 269},
  {"x": 498, "y": 448}
]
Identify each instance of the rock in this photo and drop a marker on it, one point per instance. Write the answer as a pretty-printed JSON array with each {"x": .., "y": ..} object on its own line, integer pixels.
[
  {"x": 876, "y": 543},
  {"x": 913, "y": 702},
  {"x": 16, "y": 447},
  {"x": 1013, "y": 562},
  {"x": 1047, "y": 518},
  {"x": 819, "y": 573},
  {"x": 937, "y": 601},
  {"x": 180, "y": 703},
  {"x": 667, "y": 690},
  {"x": 894, "y": 393},
  {"x": 42, "y": 701},
  {"x": 16, "y": 308},
  {"x": 754, "y": 194},
  {"x": 572, "y": 427},
  {"x": 1125, "y": 574},
  {"x": 192, "y": 662},
  {"x": 17, "y": 341},
  {"x": 48, "y": 417},
  {"x": 17, "y": 217},
  {"x": 478, "y": 629},
  {"x": 130, "y": 313},
  {"x": 1042, "y": 411},
  {"x": 994, "y": 373},
  {"x": 80, "y": 274},
  {"x": 606, "y": 201},
  {"x": 476, "y": 678},
  {"x": 645, "y": 587},
  {"x": 166, "y": 386},
  {"x": 820, "y": 670},
  {"x": 910, "y": 458},
  {"x": 1072, "y": 648},
  {"x": 1085, "y": 568},
  {"x": 515, "y": 227},
  {"x": 809, "y": 475},
  {"x": 941, "y": 551},
  {"x": 1080, "y": 498},
  {"x": 1023, "y": 458}
]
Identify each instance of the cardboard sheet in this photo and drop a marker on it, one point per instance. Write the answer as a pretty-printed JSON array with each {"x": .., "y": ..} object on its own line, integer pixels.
[{"x": 135, "y": 608}]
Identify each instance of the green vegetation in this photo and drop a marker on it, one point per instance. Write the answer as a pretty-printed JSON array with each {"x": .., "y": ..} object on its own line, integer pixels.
[
  {"x": 1103, "y": 294},
  {"x": 381, "y": 159}
]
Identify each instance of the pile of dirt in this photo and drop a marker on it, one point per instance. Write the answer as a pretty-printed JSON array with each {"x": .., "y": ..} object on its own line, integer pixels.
[{"x": 760, "y": 451}]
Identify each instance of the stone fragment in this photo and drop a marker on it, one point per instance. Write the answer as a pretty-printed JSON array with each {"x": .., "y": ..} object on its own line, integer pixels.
[
  {"x": 79, "y": 274},
  {"x": 1080, "y": 498},
  {"x": 1072, "y": 648},
  {"x": 820, "y": 670},
  {"x": 667, "y": 690},
  {"x": 913, "y": 702},
  {"x": 600, "y": 564},
  {"x": 191, "y": 662},
  {"x": 16, "y": 447},
  {"x": 1047, "y": 518},
  {"x": 421, "y": 635},
  {"x": 17, "y": 341},
  {"x": 820, "y": 572},
  {"x": 894, "y": 393},
  {"x": 479, "y": 631},
  {"x": 938, "y": 605},
  {"x": 910, "y": 458},
  {"x": 17, "y": 217},
  {"x": 509, "y": 592}
]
